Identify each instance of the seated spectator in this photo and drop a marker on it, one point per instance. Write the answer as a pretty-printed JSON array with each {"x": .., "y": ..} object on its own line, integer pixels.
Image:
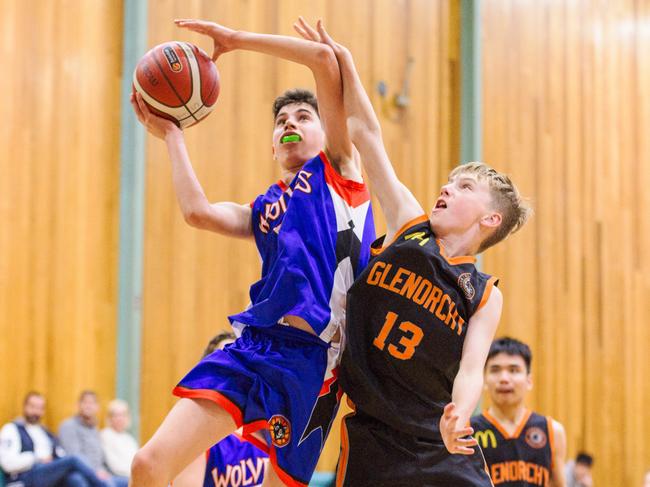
[
  {"x": 118, "y": 444},
  {"x": 578, "y": 471},
  {"x": 30, "y": 455},
  {"x": 79, "y": 435}
]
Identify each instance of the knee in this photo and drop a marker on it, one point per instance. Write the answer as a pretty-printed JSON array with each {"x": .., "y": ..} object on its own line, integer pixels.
[
  {"x": 144, "y": 464},
  {"x": 76, "y": 480}
]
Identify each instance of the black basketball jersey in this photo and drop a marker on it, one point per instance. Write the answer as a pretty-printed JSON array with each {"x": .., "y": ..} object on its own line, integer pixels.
[
  {"x": 407, "y": 318},
  {"x": 521, "y": 460}
]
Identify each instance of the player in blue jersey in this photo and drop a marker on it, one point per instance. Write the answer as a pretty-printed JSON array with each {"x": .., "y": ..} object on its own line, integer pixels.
[
  {"x": 313, "y": 230},
  {"x": 421, "y": 317},
  {"x": 233, "y": 462}
]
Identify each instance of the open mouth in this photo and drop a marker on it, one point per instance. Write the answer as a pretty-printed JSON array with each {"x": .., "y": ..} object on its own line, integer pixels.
[
  {"x": 441, "y": 204},
  {"x": 290, "y": 138}
]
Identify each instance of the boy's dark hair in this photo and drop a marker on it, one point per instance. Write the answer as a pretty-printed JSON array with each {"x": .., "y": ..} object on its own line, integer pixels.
[
  {"x": 296, "y": 95},
  {"x": 584, "y": 459},
  {"x": 511, "y": 346},
  {"x": 31, "y": 394},
  {"x": 216, "y": 341}
]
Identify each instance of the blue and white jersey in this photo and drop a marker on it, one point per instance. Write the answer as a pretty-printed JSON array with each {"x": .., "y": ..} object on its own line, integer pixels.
[
  {"x": 233, "y": 463},
  {"x": 314, "y": 239}
]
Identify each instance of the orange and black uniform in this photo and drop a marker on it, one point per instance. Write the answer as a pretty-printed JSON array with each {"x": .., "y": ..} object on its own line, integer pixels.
[
  {"x": 523, "y": 459},
  {"x": 407, "y": 318}
]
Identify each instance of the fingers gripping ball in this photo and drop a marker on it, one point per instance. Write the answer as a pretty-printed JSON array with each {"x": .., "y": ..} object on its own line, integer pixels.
[{"x": 178, "y": 81}]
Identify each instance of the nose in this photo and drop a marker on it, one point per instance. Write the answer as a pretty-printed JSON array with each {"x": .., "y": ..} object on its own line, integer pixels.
[
  {"x": 289, "y": 124},
  {"x": 444, "y": 191}
]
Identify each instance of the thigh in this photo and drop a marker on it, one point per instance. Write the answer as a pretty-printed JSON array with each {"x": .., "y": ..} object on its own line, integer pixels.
[
  {"x": 49, "y": 474},
  {"x": 74, "y": 479},
  {"x": 190, "y": 428}
]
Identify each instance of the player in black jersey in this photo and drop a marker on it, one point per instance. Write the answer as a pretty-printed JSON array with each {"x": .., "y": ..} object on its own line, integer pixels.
[
  {"x": 522, "y": 448},
  {"x": 420, "y": 318}
]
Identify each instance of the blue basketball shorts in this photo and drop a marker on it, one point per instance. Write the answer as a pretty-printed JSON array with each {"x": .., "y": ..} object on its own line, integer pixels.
[{"x": 279, "y": 381}]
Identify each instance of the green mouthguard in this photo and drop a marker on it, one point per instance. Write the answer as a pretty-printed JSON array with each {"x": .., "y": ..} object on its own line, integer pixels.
[{"x": 291, "y": 138}]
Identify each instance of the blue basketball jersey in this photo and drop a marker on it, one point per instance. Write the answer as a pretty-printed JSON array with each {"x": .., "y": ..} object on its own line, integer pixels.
[
  {"x": 314, "y": 239},
  {"x": 234, "y": 462}
]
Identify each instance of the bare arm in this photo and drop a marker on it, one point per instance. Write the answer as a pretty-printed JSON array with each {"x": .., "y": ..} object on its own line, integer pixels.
[
  {"x": 559, "y": 456},
  {"x": 322, "y": 63},
  {"x": 469, "y": 380},
  {"x": 396, "y": 200},
  {"x": 226, "y": 218}
]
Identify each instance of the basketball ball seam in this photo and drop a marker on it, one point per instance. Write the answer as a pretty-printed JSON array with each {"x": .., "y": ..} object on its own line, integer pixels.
[
  {"x": 191, "y": 79},
  {"x": 169, "y": 83}
]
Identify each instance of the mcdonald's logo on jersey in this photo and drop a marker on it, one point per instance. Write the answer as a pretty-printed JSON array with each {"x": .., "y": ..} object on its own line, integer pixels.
[{"x": 485, "y": 438}]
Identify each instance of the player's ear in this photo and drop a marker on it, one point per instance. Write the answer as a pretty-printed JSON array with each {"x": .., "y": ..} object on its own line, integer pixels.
[
  {"x": 492, "y": 220},
  {"x": 529, "y": 381},
  {"x": 273, "y": 152}
]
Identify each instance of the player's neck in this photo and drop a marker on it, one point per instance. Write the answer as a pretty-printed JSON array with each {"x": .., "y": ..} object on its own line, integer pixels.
[
  {"x": 508, "y": 415},
  {"x": 458, "y": 245}
]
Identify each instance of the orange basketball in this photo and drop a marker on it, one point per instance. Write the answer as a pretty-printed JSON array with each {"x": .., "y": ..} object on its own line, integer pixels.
[{"x": 178, "y": 81}]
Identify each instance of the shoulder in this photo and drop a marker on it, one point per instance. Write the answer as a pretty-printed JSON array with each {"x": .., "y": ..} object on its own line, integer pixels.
[
  {"x": 9, "y": 429},
  {"x": 68, "y": 424}
]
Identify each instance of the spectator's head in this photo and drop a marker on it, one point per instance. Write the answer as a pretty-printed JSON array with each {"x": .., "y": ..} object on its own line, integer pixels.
[
  {"x": 582, "y": 470},
  {"x": 33, "y": 407},
  {"x": 88, "y": 406},
  {"x": 507, "y": 372},
  {"x": 646, "y": 479},
  {"x": 119, "y": 417},
  {"x": 218, "y": 342}
]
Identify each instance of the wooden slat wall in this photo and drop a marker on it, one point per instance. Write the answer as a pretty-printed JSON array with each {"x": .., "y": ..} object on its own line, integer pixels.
[
  {"x": 59, "y": 169},
  {"x": 567, "y": 112},
  {"x": 193, "y": 280}
]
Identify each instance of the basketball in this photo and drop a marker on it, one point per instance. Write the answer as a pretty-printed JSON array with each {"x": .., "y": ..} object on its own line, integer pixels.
[{"x": 178, "y": 81}]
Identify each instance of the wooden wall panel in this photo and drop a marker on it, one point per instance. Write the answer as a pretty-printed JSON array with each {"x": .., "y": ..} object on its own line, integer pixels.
[
  {"x": 566, "y": 112},
  {"x": 193, "y": 280},
  {"x": 59, "y": 169}
]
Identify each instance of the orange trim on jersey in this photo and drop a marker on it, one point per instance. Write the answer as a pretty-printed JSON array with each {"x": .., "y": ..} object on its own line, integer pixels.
[
  {"x": 282, "y": 184},
  {"x": 459, "y": 259},
  {"x": 342, "y": 469},
  {"x": 486, "y": 293},
  {"x": 405, "y": 227},
  {"x": 502, "y": 430},
  {"x": 350, "y": 183},
  {"x": 551, "y": 440}
]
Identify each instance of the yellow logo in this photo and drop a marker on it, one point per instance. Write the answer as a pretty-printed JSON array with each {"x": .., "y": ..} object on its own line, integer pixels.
[
  {"x": 417, "y": 236},
  {"x": 486, "y": 437}
]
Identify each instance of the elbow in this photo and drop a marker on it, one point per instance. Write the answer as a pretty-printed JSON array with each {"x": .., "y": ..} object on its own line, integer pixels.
[
  {"x": 363, "y": 131},
  {"x": 195, "y": 217}
]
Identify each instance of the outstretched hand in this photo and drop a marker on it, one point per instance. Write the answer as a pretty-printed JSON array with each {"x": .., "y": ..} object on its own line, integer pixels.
[
  {"x": 319, "y": 34},
  {"x": 222, "y": 37},
  {"x": 455, "y": 439}
]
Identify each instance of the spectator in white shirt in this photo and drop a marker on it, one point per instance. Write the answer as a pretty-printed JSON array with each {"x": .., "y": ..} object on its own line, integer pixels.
[
  {"x": 118, "y": 444},
  {"x": 30, "y": 455}
]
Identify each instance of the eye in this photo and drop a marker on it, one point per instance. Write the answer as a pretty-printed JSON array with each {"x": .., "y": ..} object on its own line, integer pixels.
[
  {"x": 304, "y": 117},
  {"x": 466, "y": 186},
  {"x": 279, "y": 121}
]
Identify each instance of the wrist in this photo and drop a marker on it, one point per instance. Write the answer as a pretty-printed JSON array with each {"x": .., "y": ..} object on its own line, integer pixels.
[{"x": 173, "y": 133}]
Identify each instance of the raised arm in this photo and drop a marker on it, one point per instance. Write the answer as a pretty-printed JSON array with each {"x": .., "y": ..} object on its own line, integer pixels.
[
  {"x": 318, "y": 58},
  {"x": 469, "y": 379},
  {"x": 226, "y": 218},
  {"x": 396, "y": 200}
]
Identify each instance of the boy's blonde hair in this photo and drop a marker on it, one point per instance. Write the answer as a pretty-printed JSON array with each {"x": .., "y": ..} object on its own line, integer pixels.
[{"x": 507, "y": 201}]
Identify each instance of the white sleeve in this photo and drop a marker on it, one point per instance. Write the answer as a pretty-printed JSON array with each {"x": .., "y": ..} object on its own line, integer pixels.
[{"x": 12, "y": 460}]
